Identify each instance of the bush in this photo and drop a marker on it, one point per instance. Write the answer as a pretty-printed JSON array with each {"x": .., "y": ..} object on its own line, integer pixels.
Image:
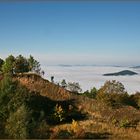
[
  {"x": 91, "y": 94},
  {"x": 17, "y": 123},
  {"x": 113, "y": 94},
  {"x": 58, "y": 113},
  {"x": 135, "y": 100},
  {"x": 8, "y": 65},
  {"x": 124, "y": 123}
]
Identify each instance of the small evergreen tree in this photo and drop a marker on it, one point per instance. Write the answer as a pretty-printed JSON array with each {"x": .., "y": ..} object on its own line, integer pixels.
[
  {"x": 8, "y": 66},
  {"x": 16, "y": 125},
  {"x": 21, "y": 64},
  {"x": 34, "y": 65}
]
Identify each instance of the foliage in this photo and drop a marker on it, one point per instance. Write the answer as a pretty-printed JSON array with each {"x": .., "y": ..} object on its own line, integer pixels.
[
  {"x": 91, "y": 94},
  {"x": 26, "y": 114},
  {"x": 21, "y": 64},
  {"x": 14, "y": 113},
  {"x": 7, "y": 90},
  {"x": 113, "y": 94},
  {"x": 58, "y": 113},
  {"x": 135, "y": 100},
  {"x": 124, "y": 123},
  {"x": 8, "y": 65},
  {"x": 113, "y": 87},
  {"x": 17, "y": 123},
  {"x": 74, "y": 87},
  {"x": 74, "y": 126},
  {"x": 34, "y": 65}
]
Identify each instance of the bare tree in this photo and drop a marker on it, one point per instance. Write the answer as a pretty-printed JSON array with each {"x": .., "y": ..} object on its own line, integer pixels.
[{"x": 74, "y": 87}]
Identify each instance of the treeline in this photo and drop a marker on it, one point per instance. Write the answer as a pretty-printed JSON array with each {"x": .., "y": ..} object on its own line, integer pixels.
[
  {"x": 113, "y": 94},
  {"x": 20, "y": 64}
]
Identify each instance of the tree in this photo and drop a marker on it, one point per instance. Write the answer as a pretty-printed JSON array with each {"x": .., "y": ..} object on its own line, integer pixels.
[
  {"x": 14, "y": 113},
  {"x": 92, "y": 93},
  {"x": 113, "y": 86},
  {"x": 52, "y": 79},
  {"x": 1, "y": 63},
  {"x": 8, "y": 65},
  {"x": 16, "y": 125},
  {"x": 74, "y": 87},
  {"x": 113, "y": 93},
  {"x": 7, "y": 90},
  {"x": 63, "y": 83},
  {"x": 21, "y": 64},
  {"x": 34, "y": 65}
]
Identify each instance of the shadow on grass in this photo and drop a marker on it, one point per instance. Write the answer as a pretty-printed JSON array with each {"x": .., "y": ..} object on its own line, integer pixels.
[{"x": 43, "y": 108}]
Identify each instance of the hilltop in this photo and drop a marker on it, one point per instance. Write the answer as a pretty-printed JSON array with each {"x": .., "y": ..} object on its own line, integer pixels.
[{"x": 121, "y": 73}]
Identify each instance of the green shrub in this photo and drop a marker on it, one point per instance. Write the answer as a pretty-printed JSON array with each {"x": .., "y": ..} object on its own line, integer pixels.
[
  {"x": 13, "y": 105},
  {"x": 17, "y": 123},
  {"x": 8, "y": 65},
  {"x": 91, "y": 94},
  {"x": 7, "y": 91}
]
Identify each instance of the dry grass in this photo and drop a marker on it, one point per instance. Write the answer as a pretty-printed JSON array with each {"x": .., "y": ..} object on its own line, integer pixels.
[{"x": 101, "y": 119}]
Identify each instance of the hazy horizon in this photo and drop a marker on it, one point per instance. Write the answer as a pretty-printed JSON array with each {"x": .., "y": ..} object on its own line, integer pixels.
[{"x": 92, "y": 76}]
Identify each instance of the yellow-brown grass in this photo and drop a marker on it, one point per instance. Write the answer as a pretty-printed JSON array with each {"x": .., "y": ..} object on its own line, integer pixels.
[{"x": 100, "y": 119}]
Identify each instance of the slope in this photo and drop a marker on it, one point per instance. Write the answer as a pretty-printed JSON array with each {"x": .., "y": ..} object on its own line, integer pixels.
[{"x": 101, "y": 121}]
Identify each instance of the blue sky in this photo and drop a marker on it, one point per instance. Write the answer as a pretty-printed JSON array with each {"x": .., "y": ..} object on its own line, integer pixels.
[{"x": 72, "y": 32}]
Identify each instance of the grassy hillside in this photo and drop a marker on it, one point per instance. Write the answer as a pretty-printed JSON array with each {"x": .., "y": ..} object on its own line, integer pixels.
[
  {"x": 100, "y": 121},
  {"x": 51, "y": 111}
]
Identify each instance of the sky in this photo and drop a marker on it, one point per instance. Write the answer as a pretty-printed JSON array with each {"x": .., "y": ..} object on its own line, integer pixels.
[{"x": 100, "y": 33}]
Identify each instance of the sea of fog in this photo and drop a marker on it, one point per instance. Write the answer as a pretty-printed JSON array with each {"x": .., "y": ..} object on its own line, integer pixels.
[{"x": 92, "y": 76}]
